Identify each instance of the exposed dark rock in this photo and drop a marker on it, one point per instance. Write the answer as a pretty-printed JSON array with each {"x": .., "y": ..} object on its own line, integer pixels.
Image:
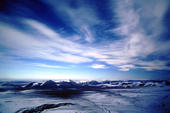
[
  {"x": 29, "y": 85},
  {"x": 82, "y": 86},
  {"x": 48, "y": 84},
  {"x": 2, "y": 89},
  {"x": 167, "y": 83},
  {"x": 63, "y": 93},
  {"x": 41, "y": 108}
]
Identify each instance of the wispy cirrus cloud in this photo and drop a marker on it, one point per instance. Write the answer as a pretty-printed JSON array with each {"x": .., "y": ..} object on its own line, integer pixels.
[
  {"x": 138, "y": 31},
  {"x": 141, "y": 30},
  {"x": 47, "y": 66},
  {"x": 126, "y": 67},
  {"x": 28, "y": 46},
  {"x": 80, "y": 22}
]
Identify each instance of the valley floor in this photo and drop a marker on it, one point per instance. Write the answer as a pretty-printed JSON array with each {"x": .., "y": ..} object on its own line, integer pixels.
[{"x": 136, "y": 100}]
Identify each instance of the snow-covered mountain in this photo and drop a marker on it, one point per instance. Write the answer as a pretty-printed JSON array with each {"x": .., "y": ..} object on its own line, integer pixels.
[
  {"x": 51, "y": 84},
  {"x": 139, "y": 96},
  {"x": 98, "y": 84}
]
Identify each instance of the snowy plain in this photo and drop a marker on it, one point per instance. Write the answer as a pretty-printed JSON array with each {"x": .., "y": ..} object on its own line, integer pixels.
[{"x": 96, "y": 97}]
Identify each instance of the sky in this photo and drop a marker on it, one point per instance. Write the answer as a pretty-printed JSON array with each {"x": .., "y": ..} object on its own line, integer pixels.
[{"x": 85, "y": 39}]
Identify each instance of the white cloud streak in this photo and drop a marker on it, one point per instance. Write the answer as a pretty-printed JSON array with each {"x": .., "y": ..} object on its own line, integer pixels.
[
  {"x": 126, "y": 67},
  {"x": 81, "y": 18},
  {"x": 47, "y": 66},
  {"x": 57, "y": 49},
  {"x": 98, "y": 66},
  {"x": 141, "y": 28},
  {"x": 88, "y": 35}
]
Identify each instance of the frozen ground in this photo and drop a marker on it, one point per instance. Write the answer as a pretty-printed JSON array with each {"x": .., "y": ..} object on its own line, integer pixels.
[{"x": 155, "y": 99}]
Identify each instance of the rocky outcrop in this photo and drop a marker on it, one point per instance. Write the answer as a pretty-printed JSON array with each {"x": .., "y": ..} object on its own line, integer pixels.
[{"x": 41, "y": 108}]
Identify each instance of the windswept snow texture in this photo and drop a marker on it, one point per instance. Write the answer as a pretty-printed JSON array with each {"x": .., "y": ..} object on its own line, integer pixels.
[{"x": 85, "y": 97}]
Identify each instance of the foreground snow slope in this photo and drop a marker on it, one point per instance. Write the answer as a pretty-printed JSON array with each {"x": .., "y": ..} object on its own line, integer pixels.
[{"x": 106, "y": 100}]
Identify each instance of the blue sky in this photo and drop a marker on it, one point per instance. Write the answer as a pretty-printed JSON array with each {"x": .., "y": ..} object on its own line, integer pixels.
[{"x": 85, "y": 39}]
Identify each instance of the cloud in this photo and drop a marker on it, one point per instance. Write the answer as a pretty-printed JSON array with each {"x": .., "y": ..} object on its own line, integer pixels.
[
  {"x": 47, "y": 66},
  {"x": 154, "y": 65},
  {"x": 138, "y": 29},
  {"x": 149, "y": 65},
  {"x": 98, "y": 66},
  {"x": 88, "y": 35},
  {"x": 81, "y": 19},
  {"x": 126, "y": 67},
  {"x": 141, "y": 30},
  {"x": 28, "y": 46}
]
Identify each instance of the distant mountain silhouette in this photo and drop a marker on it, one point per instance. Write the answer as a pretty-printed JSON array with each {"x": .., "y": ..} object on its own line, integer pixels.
[{"x": 50, "y": 84}]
